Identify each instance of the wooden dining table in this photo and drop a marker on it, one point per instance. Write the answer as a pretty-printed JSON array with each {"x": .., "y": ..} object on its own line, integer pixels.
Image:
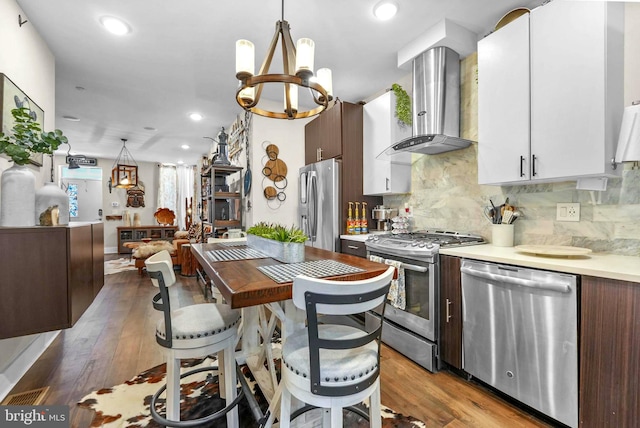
[{"x": 264, "y": 301}]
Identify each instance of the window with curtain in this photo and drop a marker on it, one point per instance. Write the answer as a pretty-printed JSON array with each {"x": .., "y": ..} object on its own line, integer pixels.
[{"x": 175, "y": 189}]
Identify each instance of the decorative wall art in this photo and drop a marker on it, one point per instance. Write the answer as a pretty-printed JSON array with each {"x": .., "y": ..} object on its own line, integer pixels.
[
  {"x": 274, "y": 171},
  {"x": 12, "y": 97}
]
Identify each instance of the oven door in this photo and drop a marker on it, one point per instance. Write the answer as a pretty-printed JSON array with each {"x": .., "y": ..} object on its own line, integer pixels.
[{"x": 419, "y": 315}]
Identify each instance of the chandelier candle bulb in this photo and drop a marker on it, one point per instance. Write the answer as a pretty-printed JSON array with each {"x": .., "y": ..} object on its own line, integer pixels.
[
  {"x": 248, "y": 95},
  {"x": 324, "y": 78},
  {"x": 292, "y": 97},
  {"x": 304, "y": 58},
  {"x": 245, "y": 59}
]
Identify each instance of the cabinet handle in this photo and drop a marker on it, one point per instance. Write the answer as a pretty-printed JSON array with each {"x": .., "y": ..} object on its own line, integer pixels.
[
  {"x": 353, "y": 247},
  {"x": 387, "y": 183},
  {"x": 521, "y": 166},
  {"x": 448, "y": 311},
  {"x": 319, "y": 154},
  {"x": 533, "y": 166}
]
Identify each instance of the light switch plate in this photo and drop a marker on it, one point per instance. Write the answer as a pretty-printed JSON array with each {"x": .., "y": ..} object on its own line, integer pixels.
[{"x": 568, "y": 211}]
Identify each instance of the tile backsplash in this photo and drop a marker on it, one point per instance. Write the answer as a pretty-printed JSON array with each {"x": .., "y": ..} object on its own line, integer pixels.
[{"x": 446, "y": 194}]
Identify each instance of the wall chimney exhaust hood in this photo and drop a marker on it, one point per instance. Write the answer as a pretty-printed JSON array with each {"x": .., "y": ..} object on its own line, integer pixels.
[{"x": 435, "y": 105}]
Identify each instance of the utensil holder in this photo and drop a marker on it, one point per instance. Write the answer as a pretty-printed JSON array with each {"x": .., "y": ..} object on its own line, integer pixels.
[{"x": 502, "y": 235}]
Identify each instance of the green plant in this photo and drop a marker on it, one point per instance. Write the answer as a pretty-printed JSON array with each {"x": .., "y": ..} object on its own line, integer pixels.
[
  {"x": 28, "y": 138},
  {"x": 277, "y": 232},
  {"x": 403, "y": 104}
]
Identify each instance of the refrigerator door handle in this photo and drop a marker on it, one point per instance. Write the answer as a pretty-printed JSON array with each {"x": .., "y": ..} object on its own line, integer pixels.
[
  {"x": 303, "y": 188},
  {"x": 313, "y": 206}
]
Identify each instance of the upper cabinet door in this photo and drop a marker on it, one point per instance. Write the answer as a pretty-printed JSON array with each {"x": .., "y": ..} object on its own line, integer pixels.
[
  {"x": 576, "y": 87},
  {"x": 380, "y": 130},
  {"x": 503, "y": 104},
  {"x": 323, "y": 136}
]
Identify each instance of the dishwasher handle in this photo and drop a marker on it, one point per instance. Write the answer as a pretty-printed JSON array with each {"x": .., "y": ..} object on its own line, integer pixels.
[{"x": 560, "y": 287}]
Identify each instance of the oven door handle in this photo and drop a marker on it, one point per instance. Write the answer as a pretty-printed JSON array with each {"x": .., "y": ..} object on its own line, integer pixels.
[{"x": 415, "y": 267}]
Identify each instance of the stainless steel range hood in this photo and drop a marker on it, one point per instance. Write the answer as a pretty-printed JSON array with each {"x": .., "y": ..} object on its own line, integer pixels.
[{"x": 435, "y": 105}]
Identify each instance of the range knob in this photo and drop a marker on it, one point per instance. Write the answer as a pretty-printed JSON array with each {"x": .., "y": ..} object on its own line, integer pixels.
[
  {"x": 421, "y": 244},
  {"x": 414, "y": 243},
  {"x": 429, "y": 245}
]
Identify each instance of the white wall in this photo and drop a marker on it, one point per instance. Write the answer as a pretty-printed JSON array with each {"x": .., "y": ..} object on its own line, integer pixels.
[
  {"x": 631, "y": 53},
  {"x": 288, "y": 135},
  {"x": 26, "y": 59}
]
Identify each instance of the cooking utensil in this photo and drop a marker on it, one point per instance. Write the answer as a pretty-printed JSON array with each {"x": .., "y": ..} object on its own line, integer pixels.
[
  {"x": 507, "y": 216},
  {"x": 490, "y": 213}
]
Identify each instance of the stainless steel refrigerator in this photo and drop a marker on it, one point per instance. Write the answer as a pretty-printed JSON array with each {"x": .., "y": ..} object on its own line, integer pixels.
[{"x": 319, "y": 199}]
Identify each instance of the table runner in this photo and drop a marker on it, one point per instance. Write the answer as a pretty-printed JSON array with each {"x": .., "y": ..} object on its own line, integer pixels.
[{"x": 282, "y": 273}]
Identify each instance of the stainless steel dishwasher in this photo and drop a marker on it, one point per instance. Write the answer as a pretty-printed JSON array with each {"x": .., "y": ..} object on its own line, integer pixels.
[{"x": 520, "y": 335}]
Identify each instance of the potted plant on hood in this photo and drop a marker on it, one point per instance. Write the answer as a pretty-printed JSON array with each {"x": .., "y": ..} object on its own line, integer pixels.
[
  {"x": 17, "y": 194},
  {"x": 285, "y": 244}
]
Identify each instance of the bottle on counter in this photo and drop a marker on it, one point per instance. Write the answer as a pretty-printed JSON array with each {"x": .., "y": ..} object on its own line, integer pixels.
[
  {"x": 364, "y": 224},
  {"x": 356, "y": 220},
  {"x": 350, "y": 223}
]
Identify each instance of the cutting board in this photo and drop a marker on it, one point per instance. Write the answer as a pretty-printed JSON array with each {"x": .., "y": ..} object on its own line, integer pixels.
[{"x": 553, "y": 250}]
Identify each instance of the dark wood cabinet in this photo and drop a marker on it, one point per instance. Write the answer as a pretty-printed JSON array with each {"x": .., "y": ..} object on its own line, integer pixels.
[
  {"x": 337, "y": 133},
  {"x": 609, "y": 353},
  {"x": 355, "y": 248},
  {"x": 450, "y": 311},
  {"x": 48, "y": 276}
]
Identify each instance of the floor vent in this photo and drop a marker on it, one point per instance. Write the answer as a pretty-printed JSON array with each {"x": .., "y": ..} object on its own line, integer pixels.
[{"x": 34, "y": 397}]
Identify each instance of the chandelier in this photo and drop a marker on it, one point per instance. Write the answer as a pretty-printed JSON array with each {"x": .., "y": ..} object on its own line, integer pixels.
[
  {"x": 124, "y": 173},
  {"x": 296, "y": 59}
]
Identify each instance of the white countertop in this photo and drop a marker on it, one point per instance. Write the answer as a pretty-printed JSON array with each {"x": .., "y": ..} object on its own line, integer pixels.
[
  {"x": 625, "y": 268},
  {"x": 361, "y": 238}
]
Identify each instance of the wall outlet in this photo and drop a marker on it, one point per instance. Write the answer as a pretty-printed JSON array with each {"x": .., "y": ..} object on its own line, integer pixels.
[
  {"x": 115, "y": 204},
  {"x": 568, "y": 211}
]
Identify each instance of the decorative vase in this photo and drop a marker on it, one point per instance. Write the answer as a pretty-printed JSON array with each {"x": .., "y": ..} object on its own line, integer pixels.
[
  {"x": 17, "y": 197},
  {"x": 136, "y": 220},
  {"x": 127, "y": 218},
  {"x": 285, "y": 252},
  {"x": 49, "y": 197}
]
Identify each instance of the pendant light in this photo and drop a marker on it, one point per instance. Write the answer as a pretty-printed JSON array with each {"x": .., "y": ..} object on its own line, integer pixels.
[
  {"x": 124, "y": 173},
  {"x": 297, "y": 62}
]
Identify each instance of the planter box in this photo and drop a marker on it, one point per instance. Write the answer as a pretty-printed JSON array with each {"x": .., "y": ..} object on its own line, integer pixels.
[{"x": 286, "y": 252}]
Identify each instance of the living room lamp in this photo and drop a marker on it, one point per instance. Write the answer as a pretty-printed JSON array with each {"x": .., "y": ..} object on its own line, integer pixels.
[
  {"x": 124, "y": 173},
  {"x": 300, "y": 62}
]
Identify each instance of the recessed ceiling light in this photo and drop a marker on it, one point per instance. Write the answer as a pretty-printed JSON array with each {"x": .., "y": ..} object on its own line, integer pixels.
[
  {"x": 180, "y": 162},
  {"x": 195, "y": 116},
  {"x": 185, "y": 147},
  {"x": 71, "y": 118},
  {"x": 115, "y": 26},
  {"x": 385, "y": 10}
]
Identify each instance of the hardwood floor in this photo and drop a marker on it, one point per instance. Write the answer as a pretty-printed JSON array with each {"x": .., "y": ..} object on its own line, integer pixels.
[{"x": 114, "y": 341}]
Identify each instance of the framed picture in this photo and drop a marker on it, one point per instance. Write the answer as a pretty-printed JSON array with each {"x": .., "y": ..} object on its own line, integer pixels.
[{"x": 12, "y": 97}]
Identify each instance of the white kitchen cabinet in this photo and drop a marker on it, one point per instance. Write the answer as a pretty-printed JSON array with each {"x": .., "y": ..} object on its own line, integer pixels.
[
  {"x": 574, "y": 98},
  {"x": 381, "y": 129}
]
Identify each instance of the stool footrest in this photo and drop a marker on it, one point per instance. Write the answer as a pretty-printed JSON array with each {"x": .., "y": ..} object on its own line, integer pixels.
[{"x": 193, "y": 422}]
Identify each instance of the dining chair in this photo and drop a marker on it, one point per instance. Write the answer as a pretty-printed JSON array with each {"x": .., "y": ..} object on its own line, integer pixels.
[
  {"x": 190, "y": 332},
  {"x": 331, "y": 365}
]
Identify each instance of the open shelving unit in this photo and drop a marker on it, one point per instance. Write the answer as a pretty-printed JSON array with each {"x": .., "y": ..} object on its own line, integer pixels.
[{"x": 221, "y": 199}]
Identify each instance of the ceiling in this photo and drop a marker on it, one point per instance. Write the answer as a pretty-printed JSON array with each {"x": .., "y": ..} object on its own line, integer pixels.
[{"x": 180, "y": 58}]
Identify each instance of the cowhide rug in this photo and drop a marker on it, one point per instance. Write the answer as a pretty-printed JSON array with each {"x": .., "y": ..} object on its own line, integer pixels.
[
  {"x": 118, "y": 265},
  {"x": 127, "y": 404}
]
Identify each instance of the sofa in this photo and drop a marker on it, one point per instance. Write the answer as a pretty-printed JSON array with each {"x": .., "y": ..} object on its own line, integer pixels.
[{"x": 145, "y": 250}]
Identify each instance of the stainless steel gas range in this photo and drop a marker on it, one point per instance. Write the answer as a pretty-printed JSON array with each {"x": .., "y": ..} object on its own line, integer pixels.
[{"x": 411, "y": 323}]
